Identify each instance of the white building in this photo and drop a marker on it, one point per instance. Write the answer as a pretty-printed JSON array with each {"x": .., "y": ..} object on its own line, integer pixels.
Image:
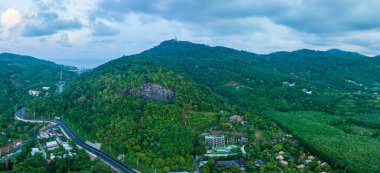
[
  {"x": 52, "y": 145},
  {"x": 35, "y": 150},
  {"x": 46, "y": 88},
  {"x": 307, "y": 91},
  {"x": 215, "y": 140},
  {"x": 34, "y": 92},
  {"x": 66, "y": 146}
]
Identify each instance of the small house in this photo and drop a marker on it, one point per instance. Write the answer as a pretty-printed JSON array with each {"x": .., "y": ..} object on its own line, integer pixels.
[
  {"x": 236, "y": 118},
  {"x": 34, "y": 92},
  {"x": 51, "y": 145}
]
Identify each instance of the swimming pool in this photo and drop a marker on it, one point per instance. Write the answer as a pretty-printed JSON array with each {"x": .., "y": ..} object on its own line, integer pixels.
[{"x": 226, "y": 150}]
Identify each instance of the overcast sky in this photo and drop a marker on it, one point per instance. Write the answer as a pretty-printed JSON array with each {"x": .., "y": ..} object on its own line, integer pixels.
[{"x": 86, "y": 33}]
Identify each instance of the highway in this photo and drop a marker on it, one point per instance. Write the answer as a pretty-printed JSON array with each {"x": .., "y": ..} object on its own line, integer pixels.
[{"x": 116, "y": 164}]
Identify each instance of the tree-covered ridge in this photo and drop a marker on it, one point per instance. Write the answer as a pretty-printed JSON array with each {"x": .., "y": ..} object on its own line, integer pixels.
[
  {"x": 339, "y": 69},
  {"x": 13, "y": 58},
  {"x": 104, "y": 105},
  {"x": 332, "y": 68}
]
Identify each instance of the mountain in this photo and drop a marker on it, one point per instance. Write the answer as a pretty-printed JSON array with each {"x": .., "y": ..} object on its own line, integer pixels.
[
  {"x": 151, "y": 106},
  {"x": 332, "y": 68}
]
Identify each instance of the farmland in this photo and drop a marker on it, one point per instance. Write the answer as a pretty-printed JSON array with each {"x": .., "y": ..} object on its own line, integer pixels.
[{"x": 354, "y": 153}]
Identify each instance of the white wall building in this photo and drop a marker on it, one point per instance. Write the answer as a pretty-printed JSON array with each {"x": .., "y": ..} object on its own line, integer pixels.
[{"x": 215, "y": 140}]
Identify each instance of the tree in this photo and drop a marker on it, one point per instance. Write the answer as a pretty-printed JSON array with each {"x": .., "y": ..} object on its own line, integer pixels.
[
  {"x": 235, "y": 168},
  {"x": 250, "y": 166},
  {"x": 277, "y": 147},
  {"x": 270, "y": 165},
  {"x": 205, "y": 169}
]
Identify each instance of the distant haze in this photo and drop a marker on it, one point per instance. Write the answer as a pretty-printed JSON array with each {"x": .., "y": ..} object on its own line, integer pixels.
[{"x": 87, "y": 33}]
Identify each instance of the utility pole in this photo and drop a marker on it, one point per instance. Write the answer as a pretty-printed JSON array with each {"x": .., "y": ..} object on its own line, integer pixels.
[
  {"x": 34, "y": 117},
  {"x": 137, "y": 164}
]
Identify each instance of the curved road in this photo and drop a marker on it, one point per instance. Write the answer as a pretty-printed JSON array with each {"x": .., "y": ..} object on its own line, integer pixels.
[{"x": 116, "y": 164}]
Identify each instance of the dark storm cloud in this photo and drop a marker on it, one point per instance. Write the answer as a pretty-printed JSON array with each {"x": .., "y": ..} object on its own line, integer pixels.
[
  {"x": 47, "y": 23},
  {"x": 309, "y": 16}
]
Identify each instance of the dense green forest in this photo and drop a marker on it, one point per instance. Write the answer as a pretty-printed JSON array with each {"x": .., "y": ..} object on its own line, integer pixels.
[{"x": 183, "y": 80}]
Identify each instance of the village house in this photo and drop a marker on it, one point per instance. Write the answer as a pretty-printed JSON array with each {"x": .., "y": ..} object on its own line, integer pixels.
[
  {"x": 66, "y": 146},
  {"x": 52, "y": 145},
  {"x": 61, "y": 139},
  {"x": 46, "y": 88},
  {"x": 226, "y": 163},
  {"x": 35, "y": 150},
  {"x": 280, "y": 157},
  {"x": 307, "y": 91},
  {"x": 34, "y": 92},
  {"x": 43, "y": 135},
  {"x": 288, "y": 84},
  {"x": 236, "y": 118},
  {"x": 301, "y": 166}
]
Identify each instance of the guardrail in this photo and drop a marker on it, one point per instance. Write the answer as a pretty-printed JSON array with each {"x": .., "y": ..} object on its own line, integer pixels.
[{"x": 114, "y": 163}]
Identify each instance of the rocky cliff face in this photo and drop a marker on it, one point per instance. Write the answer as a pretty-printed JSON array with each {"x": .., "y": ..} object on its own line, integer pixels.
[{"x": 155, "y": 92}]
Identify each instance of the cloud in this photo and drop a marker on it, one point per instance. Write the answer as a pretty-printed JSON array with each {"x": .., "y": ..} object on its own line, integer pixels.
[
  {"x": 102, "y": 29},
  {"x": 47, "y": 23},
  {"x": 310, "y": 16},
  {"x": 64, "y": 40},
  {"x": 10, "y": 18}
]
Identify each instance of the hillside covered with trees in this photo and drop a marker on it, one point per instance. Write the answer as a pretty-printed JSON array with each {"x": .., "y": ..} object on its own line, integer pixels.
[{"x": 143, "y": 105}]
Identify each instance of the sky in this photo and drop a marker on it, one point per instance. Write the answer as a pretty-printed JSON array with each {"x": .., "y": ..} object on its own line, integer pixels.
[{"x": 87, "y": 33}]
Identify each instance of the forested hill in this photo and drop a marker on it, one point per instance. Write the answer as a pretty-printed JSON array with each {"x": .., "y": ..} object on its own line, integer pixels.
[
  {"x": 334, "y": 68},
  {"x": 142, "y": 105},
  {"x": 23, "y": 59},
  {"x": 18, "y": 74}
]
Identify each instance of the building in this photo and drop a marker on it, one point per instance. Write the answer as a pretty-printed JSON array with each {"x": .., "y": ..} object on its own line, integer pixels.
[
  {"x": 307, "y": 91},
  {"x": 34, "y": 92},
  {"x": 52, "y": 145},
  {"x": 61, "y": 139},
  {"x": 35, "y": 150},
  {"x": 236, "y": 118},
  {"x": 43, "y": 135},
  {"x": 215, "y": 140},
  {"x": 46, "y": 88},
  {"x": 66, "y": 146},
  {"x": 289, "y": 84},
  {"x": 226, "y": 163}
]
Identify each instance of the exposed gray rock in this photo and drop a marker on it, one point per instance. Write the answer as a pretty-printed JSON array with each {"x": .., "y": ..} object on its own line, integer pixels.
[{"x": 155, "y": 92}]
